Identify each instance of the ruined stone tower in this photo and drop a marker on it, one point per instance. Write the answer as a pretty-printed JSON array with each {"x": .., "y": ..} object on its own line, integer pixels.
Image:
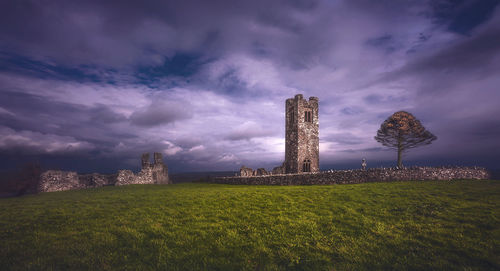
[
  {"x": 157, "y": 171},
  {"x": 302, "y": 135}
]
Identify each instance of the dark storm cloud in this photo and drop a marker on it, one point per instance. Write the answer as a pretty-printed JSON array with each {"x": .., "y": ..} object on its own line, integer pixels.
[
  {"x": 27, "y": 66},
  {"x": 117, "y": 33},
  {"x": 376, "y": 149},
  {"x": 247, "y": 132},
  {"x": 384, "y": 42},
  {"x": 476, "y": 54},
  {"x": 342, "y": 138},
  {"x": 160, "y": 113},
  {"x": 456, "y": 89},
  {"x": 35, "y": 113},
  {"x": 463, "y": 16},
  {"x": 379, "y": 99},
  {"x": 204, "y": 82},
  {"x": 351, "y": 110},
  {"x": 102, "y": 114},
  {"x": 182, "y": 65}
]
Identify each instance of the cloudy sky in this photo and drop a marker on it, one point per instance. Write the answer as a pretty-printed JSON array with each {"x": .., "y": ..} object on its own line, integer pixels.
[{"x": 90, "y": 85}]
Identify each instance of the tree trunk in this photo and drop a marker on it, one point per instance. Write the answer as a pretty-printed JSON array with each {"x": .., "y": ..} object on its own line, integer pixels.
[
  {"x": 400, "y": 163},
  {"x": 400, "y": 151}
]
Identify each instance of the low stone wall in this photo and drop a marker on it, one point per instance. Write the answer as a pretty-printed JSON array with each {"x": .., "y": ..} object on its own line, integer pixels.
[
  {"x": 97, "y": 180},
  {"x": 151, "y": 173},
  {"x": 57, "y": 180},
  {"x": 361, "y": 176}
]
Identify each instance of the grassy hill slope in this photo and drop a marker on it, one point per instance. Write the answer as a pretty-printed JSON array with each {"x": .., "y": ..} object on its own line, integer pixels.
[{"x": 402, "y": 225}]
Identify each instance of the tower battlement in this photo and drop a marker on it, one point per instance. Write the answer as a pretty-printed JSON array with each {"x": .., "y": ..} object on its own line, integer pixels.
[{"x": 302, "y": 135}]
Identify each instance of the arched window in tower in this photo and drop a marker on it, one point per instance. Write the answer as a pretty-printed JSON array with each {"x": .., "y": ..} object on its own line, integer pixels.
[
  {"x": 308, "y": 116},
  {"x": 306, "y": 166}
]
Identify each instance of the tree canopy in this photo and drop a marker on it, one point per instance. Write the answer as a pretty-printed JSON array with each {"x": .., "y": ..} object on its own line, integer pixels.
[{"x": 402, "y": 131}]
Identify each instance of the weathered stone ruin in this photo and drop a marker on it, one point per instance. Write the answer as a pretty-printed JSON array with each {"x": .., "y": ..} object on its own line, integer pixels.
[
  {"x": 301, "y": 139},
  {"x": 56, "y": 180},
  {"x": 362, "y": 176},
  {"x": 261, "y": 172},
  {"x": 301, "y": 166},
  {"x": 302, "y": 135},
  {"x": 279, "y": 170},
  {"x": 246, "y": 172},
  {"x": 151, "y": 173},
  {"x": 155, "y": 173}
]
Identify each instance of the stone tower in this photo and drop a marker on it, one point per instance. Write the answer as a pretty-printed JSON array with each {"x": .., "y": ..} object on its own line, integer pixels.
[
  {"x": 302, "y": 135},
  {"x": 157, "y": 171}
]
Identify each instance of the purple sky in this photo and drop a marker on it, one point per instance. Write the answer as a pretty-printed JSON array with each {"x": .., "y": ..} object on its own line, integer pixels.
[{"x": 89, "y": 86}]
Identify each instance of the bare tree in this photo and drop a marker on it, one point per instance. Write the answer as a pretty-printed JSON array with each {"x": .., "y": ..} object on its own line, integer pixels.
[{"x": 402, "y": 131}]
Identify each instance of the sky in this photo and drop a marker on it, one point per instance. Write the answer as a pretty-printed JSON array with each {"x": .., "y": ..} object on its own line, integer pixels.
[{"x": 90, "y": 85}]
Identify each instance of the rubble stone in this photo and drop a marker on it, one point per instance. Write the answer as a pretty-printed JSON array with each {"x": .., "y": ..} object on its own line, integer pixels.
[
  {"x": 261, "y": 172},
  {"x": 362, "y": 176},
  {"x": 246, "y": 171},
  {"x": 279, "y": 170},
  {"x": 57, "y": 180}
]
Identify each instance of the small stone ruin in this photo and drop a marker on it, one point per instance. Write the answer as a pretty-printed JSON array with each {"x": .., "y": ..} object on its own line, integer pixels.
[
  {"x": 155, "y": 173},
  {"x": 248, "y": 172},
  {"x": 151, "y": 173}
]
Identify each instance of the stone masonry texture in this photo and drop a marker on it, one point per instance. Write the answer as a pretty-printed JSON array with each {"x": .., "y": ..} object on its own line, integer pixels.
[
  {"x": 301, "y": 135},
  {"x": 155, "y": 173},
  {"x": 361, "y": 176},
  {"x": 151, "y": 173},
  {"x": 246, "y": 171}
]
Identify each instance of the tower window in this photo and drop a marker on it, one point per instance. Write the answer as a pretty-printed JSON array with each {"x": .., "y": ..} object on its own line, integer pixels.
[
  {"x": 306, "y": 166},
  {"x": 308, "y": 116}
]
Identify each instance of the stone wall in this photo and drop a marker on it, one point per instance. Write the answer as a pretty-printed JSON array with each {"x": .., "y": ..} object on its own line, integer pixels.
[
  {"x": 279, "y": 170},
  {"x": 57, "y": 180},
  {"x": 361, "y": 176},
  {"x": 151, "y": 173}
]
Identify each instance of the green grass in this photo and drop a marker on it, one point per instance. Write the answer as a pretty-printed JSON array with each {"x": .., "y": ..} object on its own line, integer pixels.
[{"x": 404, "y": 225}]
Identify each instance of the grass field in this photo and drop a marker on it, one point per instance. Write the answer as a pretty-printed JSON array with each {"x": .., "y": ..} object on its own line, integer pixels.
[{"x": 404, "y": 225}]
